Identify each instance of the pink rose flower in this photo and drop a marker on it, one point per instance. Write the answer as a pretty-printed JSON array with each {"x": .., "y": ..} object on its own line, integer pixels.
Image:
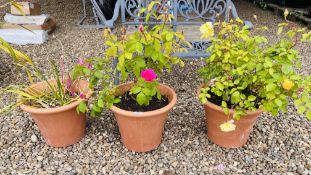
[
  {"x": 81, "y": 62},
  {"x": 148, "y": 74},
  {"x": 82, "y": 96},
  {"x": 88, "y": 65}
]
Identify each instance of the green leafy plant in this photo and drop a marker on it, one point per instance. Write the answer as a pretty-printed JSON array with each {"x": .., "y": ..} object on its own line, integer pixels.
[
  {"x": 142, "y": 56},
  {"x": 146, "y": 52},
  {"x": 100, "y": 79},
  {"x": 246, "y": 72}
]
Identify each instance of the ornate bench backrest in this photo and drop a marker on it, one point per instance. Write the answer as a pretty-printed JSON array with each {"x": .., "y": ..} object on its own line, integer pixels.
[
  {"x": 185, "y": 11},
  {"x": 199, "y": 11}
]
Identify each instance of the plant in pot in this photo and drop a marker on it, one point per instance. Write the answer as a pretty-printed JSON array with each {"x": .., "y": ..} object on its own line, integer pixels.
[
  {"x": 247, "y": 74},
  {"x": 56, "y": 104},
  {"x": 141, "y": 104}
]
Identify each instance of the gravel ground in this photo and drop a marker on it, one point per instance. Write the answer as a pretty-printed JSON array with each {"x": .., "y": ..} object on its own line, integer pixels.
[{"x": 276, "y": 146}]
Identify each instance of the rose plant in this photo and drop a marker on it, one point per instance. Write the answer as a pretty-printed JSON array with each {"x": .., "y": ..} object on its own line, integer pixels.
[
  {"x": 99, "y": 75},
  {"x": 146, "y": 53},
  {"x": 247, "y": 72},
  {"x": 142, "y": 57}
]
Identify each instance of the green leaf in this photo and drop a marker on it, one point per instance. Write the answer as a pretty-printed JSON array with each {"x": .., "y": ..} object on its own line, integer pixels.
[
  {"x": 304, "y": 97},
  {"x": 251, "y": 98},
  {"x": 298, "y": 102},
  {"x": 270, "y": 87},
  {"x": 117, "y": 100},
  {"x": 259, "y": 67},
  {"x": 148, "y": 17},
  {"x": 278, "y": 102},
  {"x": 295, "y": 77},
  {"x": 146, "y": 91},
  {"x": 96, "y": 108},
  {"x": 301, "y": 109},
  {"x": 128, "y": 55},
  {"x": 308, "y": 114},
  {"x": 203, "y": 100},
  {"x": 139, "y": 47},
  {"x": 224, "y": 104},
  {"x": 100, "y": 103},
  {"x": 220, "y": 86},
  {"x": 286, "y": 69},
  {"x": 135, "y": 89},
  {"x": 226, "y": 111},
  {"x": 274, "y": 112},
  {"x": 98, "y": 74},
  {"x": 112, "y": 51},
  {"x": 159, "y": 96},
  {"x": 141, "y": 98},
  {"x": 212, "y": 57},
  {"x": 140, "y": 62},
  {"x": 82, "y": 107},
  {"x": 268, "y": 63},
  {"x": 169, "y": 36},
  {"x": 86, "y": 71}
]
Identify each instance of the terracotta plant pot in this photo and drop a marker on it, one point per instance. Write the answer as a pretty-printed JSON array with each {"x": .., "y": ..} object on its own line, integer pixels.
[
  {"x": 142, "y": 131},
  {"x": 60, "y": 126},
  {"x": 215, "y": 116}
]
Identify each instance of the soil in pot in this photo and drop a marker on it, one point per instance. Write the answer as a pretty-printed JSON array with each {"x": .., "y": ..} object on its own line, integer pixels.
[
  {"x": 128, "y": 103},
  {"x": 215, "y": 99}
]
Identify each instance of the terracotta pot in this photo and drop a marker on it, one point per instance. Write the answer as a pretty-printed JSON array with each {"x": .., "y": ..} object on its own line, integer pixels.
[
  {"x": 60, "y": 126},
  {"x": 215, "y": 116},
  {"x": 142, "y": 131}
]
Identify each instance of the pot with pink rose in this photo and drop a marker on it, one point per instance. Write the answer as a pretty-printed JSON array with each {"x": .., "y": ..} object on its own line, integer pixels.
[
  {"x": 142, "y": 105},
  {"x": 141, "y": 128}
]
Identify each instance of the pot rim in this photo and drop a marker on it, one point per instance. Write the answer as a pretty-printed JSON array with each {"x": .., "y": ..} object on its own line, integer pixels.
[
  {"x": 56, "y": 109},
  {"x": 219, "y": 108},
  {"x": 148, "y": 113}
]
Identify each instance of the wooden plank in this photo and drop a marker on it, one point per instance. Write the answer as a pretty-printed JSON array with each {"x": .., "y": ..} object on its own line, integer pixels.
[
  {"x": 294, "y": 16},
  {"x": 191, "y": 32}
]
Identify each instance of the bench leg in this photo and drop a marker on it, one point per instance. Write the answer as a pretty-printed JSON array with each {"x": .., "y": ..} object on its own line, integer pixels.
[
  {"x": 115, "y": 16},
  {"x": 107, "y": 23}
]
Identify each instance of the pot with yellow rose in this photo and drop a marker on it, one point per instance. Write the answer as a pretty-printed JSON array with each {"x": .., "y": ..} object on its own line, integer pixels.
[{"x": 245, "y": 75}]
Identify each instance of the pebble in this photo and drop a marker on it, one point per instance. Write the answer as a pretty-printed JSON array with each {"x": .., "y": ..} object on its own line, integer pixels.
[{"x": 34, "y": 138}]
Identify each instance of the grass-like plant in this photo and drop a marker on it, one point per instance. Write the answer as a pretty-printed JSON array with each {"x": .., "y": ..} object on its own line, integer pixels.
[{"x": 59, "y": 92}]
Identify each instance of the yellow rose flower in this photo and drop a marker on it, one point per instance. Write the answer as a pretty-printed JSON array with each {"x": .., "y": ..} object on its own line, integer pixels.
[
  {"x": 207, "y": 30},
  {"x": 228, "y": 126},
  {"x": 287, "y": 84}
]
